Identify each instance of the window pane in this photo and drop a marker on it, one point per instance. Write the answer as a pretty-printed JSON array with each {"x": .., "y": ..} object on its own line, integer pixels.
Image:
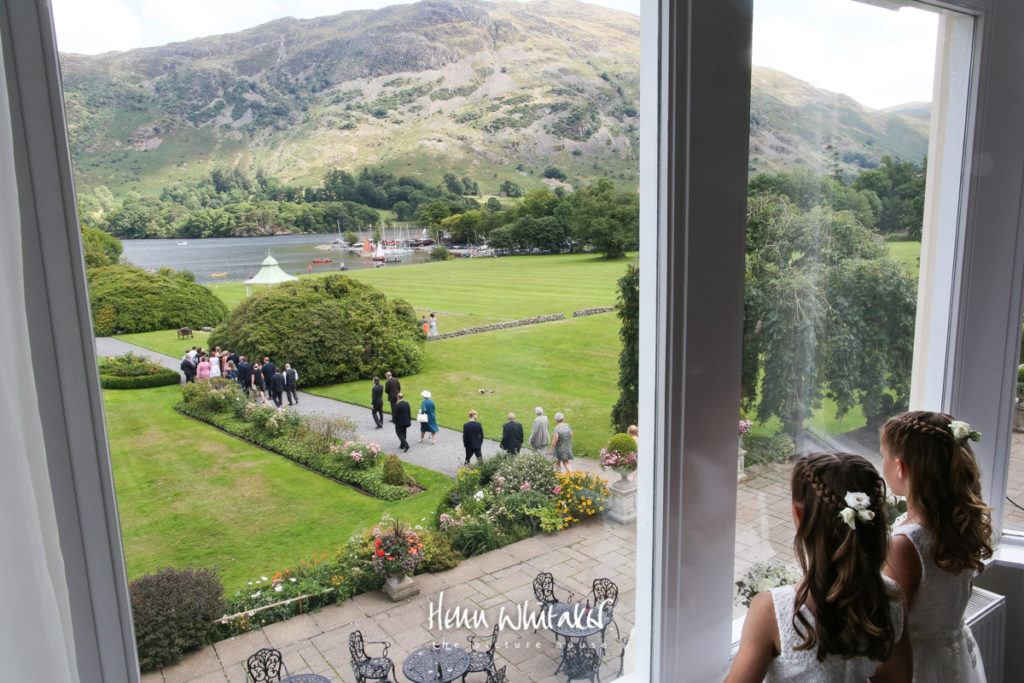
[{"x": 838, "y": 165}]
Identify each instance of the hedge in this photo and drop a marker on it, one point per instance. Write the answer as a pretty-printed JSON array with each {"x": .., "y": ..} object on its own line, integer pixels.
[
  {"x": 162, "y": 378},
  {"x": 128, "y": 299},
  {"x": 332, "y": 329}
]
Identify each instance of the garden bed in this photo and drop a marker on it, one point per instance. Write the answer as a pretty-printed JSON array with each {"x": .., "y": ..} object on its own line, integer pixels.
[{"x": 130, "y": 371}]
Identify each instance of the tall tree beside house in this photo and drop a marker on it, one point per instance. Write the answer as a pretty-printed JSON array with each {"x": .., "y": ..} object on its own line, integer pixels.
[
  {"x": 625, "y": 411},
  {"x": 827, "y": 313}
]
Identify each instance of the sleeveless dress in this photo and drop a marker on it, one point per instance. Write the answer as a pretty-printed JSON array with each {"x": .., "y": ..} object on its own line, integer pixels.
[
  {"x": 562, "y": 449},
  {"x": 944, "y": 649},
  {"x": 802, "y": 666}
]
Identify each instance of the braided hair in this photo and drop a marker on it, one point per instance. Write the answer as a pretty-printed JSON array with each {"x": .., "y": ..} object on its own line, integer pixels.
[
  {"x": 842, "y": 562},
  {"x": 945, "y": 487}
]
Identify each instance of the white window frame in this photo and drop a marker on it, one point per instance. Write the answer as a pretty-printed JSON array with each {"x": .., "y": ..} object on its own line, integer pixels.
[{"x": 695, "y": 108}]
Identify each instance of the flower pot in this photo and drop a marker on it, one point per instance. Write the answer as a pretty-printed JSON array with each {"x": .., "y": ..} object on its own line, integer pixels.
[{"x": 400, "y": 587}]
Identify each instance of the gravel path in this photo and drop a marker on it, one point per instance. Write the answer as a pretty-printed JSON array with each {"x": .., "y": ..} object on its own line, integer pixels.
[{"x": 446, "y": 456}]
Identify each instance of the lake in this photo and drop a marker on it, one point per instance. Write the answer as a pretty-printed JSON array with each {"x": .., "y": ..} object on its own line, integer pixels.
[{"x": 240, "y": 257}]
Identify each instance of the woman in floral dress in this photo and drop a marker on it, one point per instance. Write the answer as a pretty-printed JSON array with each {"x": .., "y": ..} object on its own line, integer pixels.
[{"x": 561, "y": 443}]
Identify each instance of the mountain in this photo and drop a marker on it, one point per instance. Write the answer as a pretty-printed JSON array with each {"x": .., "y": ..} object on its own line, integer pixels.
[{"x": 491, "y": 90}]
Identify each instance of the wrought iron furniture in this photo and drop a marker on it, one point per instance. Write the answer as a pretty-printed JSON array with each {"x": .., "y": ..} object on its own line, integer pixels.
[
  {"x": 306, "y": 678},
  {"x": 436, "y": 664},
  {"x": 575, "y": 622},
  {"x": 481, "y": 660},
  {"x": 365, "y": 667},
  {"x": 581, "y": 661},
  {"x": 605, "y": 593},
  {"x": 544, "y": 589},
  {"x": 496, "y": 675},
  {"x": 265, "y": 665}
]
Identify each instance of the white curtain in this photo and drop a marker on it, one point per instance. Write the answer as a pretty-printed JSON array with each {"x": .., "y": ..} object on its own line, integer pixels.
[{"x": 36, "y": 639}]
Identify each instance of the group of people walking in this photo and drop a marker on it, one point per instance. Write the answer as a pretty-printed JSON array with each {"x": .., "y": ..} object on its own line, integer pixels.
[
  {"x": 558, "y": 444},
  {"x": 257, "y": 379}
]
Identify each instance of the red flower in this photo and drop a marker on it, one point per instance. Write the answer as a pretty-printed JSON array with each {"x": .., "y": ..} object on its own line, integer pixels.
[{"x": 380, "y": 552}]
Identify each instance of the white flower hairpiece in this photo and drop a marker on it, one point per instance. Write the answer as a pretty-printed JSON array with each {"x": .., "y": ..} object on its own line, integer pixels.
[
  {"x": 962, "y": 431},
  {"x": 857, "y": 505}
]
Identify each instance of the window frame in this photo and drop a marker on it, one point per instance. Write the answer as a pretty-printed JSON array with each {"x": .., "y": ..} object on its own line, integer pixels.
[{"x": 693, "y": 151}]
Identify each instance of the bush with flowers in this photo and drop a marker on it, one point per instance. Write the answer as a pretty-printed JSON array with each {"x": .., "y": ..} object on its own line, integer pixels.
[
  {"x": 761, "y": 576},
  {"x": 396, "y": 549},
  {"x": 321, "y": 444},
  {"x": 580, "y": 495},
  {"x": 619, "y": 454}
]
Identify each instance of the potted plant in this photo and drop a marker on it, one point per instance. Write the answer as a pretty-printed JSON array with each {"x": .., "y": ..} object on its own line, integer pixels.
[
  {"x": 744, "y": 429},
  {"x": 396, "y": 552},
  {"x": 1018, "y": 414},
  {"x": 620, "y": 455}
]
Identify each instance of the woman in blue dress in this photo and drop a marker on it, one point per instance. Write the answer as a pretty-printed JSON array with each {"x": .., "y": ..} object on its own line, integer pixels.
[{"x": 430, "y": 424}]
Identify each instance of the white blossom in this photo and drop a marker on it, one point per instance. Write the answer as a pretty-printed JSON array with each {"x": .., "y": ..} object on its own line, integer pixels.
[
  {"x": 865, "y": 515},
  {"x": 479, "y": 495},
  {"x": 961, "y": 430},
  {"x": 858, "y": 500},
  {"x": 278, "y": 588},
  {"x": 849, "y": 517}
]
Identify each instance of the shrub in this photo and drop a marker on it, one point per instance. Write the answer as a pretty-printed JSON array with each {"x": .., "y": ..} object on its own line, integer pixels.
[
  {"x": 320, "y": 432},
  {"x": 767, "y": 449},
  {"x": 440, "y": 253},
  {"x": 128, "y": 299},
  {"x": 475, "y": 537},
  {"x": 438, "y": 554},
  {"x": 528, "y": 467},
  {"x": 163, "y": 378},
  {"x": 172, "y": 611},
  {"x": 334, "y": 328},
  {"x": 623, "y": 443},
  {"x": 580, "y": 494},
  {"x": 393, "y": 473}
]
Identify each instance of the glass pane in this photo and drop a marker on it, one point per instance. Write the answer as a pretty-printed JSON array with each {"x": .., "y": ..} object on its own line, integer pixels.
[
  {"x": 1014, "y": 508},
  {"x": 838, "y": 147},
  {"x": 223, "y": 180}
]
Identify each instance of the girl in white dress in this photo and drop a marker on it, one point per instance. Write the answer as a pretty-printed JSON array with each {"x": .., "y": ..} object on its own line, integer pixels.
[
  {"x": 936, "y": 553},
  {"x": 844, "y": 618}
]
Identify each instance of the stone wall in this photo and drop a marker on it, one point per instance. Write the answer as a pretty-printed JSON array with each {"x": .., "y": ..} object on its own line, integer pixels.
[
  {"x": 592, "y": 311},
  {"x": 499, "y": 326}
]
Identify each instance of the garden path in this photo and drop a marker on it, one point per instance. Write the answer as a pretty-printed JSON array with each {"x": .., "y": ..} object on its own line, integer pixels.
[{"x": 445, "y": 456}]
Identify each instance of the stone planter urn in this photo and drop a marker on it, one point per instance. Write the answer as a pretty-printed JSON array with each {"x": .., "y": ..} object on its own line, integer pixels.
[
  {"x": 400, "y": 587},
  {"x": 622, "y": 499},
  {"x": 740, "y": 474},
  {"x": 1018, "y": 416}
]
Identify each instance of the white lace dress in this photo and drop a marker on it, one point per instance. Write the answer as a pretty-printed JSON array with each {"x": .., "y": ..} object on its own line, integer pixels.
[
  {"x": 944, "y": 649},
  {"x": 802, "y": 666}
]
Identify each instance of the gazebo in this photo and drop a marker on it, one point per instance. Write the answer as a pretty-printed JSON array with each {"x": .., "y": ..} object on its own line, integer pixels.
[{"x": 270, "y": 274}]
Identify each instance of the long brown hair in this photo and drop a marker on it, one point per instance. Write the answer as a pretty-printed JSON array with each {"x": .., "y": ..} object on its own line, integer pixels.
[
  {"x": 842, "y": 566},
  {"x": 945, "y": 487}
]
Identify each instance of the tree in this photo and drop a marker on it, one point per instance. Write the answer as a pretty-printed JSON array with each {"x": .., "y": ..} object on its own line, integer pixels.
[
  {"x": 350, "y": 237},
  {"x": 100, "y": 249},
  {"x": 624, "y": 412},
  {"x": 607, "y": 220},
  {"x": 827, "y": 313},
  {"x": 511, "y": 189}
]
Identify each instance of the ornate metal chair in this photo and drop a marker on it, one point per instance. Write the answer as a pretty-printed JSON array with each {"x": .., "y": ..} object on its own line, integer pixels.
[
  {"x": 544, "y": 589},
  {"x": 266, "y": 665},
  {"x": 365, "y": 667},
  {"x": 605, "y": 591},
  {"x": 496, "y": 675},
  {"x": 581, "y": 661},
  {"x": 481, "y": 660}
]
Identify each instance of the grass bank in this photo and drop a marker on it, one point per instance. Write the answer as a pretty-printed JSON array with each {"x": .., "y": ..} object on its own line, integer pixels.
[{"x": 189, "y": 495}]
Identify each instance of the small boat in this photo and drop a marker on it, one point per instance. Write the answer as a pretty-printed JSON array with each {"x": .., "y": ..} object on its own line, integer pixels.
[
  {"x": 342, "y": 266},
  {"x": 321, "y": 260},
  {"x": 218, "y": 274},
  {"x": 182, "y": 244}
]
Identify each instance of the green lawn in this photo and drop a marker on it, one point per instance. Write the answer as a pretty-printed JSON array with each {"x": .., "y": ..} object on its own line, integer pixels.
[
  {"x": 908, "y": 253},
  {"x": 467, "y": 292},
  {"x": 569, "y": 366},
  {"x": 189, "y": 495},
  {"x": 165, "y": 341}
]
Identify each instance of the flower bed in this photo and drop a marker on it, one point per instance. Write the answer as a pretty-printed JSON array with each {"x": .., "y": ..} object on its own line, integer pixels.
[
  {"x": 130, "y": 371},
  {"x": 324, "y": 445}
]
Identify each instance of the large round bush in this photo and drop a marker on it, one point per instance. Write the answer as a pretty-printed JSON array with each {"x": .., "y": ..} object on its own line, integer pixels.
[
  {"x": 127, "y": 299},
  {"x": 332, "y": 329}
]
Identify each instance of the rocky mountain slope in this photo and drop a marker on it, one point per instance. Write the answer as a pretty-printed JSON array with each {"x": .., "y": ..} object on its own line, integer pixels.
[{"x": 490, "y": 90}]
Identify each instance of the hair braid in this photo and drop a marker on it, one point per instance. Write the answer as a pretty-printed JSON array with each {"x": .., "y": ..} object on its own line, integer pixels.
[
  {"x": 822, "y": 490},
  {"x": 925, "y": 428}
]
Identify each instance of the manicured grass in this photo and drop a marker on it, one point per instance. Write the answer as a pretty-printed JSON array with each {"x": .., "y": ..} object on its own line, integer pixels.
[
  {"x": 467, "y": 292},
  {"x": 191, "y": 496},
  {"x": 569, "y": 366},
  {"x": 908, "y": 253},
  {"x": 165, "y": 341}
]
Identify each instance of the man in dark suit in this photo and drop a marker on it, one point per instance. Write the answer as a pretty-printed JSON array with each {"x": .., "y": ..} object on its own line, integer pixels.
[
  {"x": 291, "y": 383},
  {"x": 377, "y": 403},
  {"x": 277, "y": 383},
  {"x": 401, "y": 415},
  {"x": 511, "y": 435},
  {"x": 188, "y": 366},
  {"x": 391, "y": 387},
  {"x": 268, "y": 371},
  {"x": 244, "y": 374},
  {"x": 473, "y": 438}
]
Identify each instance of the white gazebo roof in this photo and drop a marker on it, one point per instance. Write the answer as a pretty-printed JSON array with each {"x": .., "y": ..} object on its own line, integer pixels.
[{"x": 270, "y": 274}]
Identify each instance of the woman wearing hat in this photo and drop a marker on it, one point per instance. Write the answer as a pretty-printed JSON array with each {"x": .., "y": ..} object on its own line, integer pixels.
[{"x": 430, "y": 424}]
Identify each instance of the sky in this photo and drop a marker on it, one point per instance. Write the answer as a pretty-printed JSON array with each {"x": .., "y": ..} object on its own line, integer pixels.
[{"x": 877, "y": 56}]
